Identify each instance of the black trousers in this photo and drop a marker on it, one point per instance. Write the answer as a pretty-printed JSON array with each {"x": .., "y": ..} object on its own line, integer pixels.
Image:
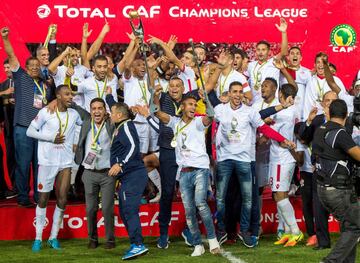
[
  {"x": 168, "y": 170},
  {"x": 347, "y": 211},
  {"x": 307, "y": 202},
  {"x": 321, "y": 218}
]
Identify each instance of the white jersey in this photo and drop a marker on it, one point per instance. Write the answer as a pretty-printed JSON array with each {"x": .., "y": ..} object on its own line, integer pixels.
[
  {"x": 187, "y": 75},
  {"x": 190, "y": 150},
  {"x": 225, "y": 81},
  {"x": 302, "y": 77},
  {"x": 233, "y": 137},
  {"x": 284, "y": 124},
  {"x": 258, "y": 73},
  {"x": 92, "y": 88},
  {"x": 315, "y": 90},
  {"x": 262, "y": 152},
  {"x": 48, "y": 126},
  {"x": 136, "y": 93},
  {"x": 80, "y": 74}
]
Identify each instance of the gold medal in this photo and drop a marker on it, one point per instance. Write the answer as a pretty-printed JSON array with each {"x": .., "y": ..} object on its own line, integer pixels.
[
  {"x": 173, "y": 143},
  {"x": 45, "y": 101}
]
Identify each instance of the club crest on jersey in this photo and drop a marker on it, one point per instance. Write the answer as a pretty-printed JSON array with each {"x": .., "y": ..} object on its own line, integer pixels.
[{"x": 40, "y": 186}]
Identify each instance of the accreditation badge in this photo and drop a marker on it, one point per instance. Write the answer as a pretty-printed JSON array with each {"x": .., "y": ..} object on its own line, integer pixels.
[
  {"x": 38, "y": 101},
  {"x": 89, "y": 161}
]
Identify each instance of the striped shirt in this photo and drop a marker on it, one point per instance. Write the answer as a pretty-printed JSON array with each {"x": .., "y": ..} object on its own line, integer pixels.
[{"x": 25, "y": 90}]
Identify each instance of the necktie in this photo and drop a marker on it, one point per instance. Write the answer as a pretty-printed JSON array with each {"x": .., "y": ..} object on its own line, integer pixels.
[{"x": 45, "y": 72}]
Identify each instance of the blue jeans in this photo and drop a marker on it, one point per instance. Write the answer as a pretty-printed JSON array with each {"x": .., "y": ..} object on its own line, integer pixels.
[
  {"x": 25, "y": 154},
  {"x": 243, "y": 173},
  {"x": 193, "y": 188}
]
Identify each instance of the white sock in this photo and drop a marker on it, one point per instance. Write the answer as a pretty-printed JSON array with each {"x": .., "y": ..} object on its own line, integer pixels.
[
  {"x": 155, "y": 178},
  {"x": 57, "y": 220},
  {"x": 74, "y": 171},
  {"x": 287, "y": 211},
  {"x": 281, "y": 224},
  {"x": 40, "y": 214}
]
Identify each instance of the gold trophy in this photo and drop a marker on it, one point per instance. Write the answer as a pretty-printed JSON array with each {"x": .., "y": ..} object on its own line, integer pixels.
[
  {"x": 138, "y": 30},
  {"x": 52, "y": 30}
]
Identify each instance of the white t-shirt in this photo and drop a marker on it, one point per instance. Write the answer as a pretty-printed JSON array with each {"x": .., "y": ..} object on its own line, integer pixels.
[
  {"x": 136, "y": 93},
  {"x": 235, "y": 131},
  {"x": 225, "y": 81},
  {"x": 80, "y": 74},
  {"x": 302, "y": 77},
  {"x": 315, "y": 89},
  {"x": 188, "y": 77},
  {"x": 258, "y": 73},
  {"x": 50, "y": 154},
  {"x": 191, "y": 149},
  {"x": 307, "y": 166},
  {"x": 284, "y": 124},
  {"x": 261, "y": 153},
  {"x": 92, "y": 88}
]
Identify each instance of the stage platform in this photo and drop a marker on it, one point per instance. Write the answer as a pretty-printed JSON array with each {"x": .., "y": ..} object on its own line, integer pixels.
[{"x": 18, "y": 223}]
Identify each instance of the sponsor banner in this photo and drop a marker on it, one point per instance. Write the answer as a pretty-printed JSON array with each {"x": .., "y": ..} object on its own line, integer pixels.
[
  {"x": 329, "y": 26},
  {"x": 19, "y": 223}
]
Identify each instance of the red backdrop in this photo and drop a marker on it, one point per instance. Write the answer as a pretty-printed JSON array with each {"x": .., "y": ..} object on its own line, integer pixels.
[{"x": 310, "y": 22}]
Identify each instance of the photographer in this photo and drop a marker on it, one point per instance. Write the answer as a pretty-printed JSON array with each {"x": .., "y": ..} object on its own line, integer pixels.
[{"x": 332, "y": 146}]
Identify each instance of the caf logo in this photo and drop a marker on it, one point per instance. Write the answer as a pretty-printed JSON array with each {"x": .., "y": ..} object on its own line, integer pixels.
[{"x": 343, "y": 38}]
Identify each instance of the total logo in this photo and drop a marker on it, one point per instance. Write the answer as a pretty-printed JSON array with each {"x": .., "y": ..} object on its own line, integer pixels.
[
  {"x": 64, "y": 11},
  {"x": 343, "y": 38}
]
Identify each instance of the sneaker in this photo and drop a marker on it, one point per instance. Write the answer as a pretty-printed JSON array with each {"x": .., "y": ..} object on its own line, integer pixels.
[
  {"x": 311, "y": 241},
  {"x": 198, "y": 251},
  {"x": 156, "y": 199},
  {"x": 10, "y": 194},
  {"x": 54, "y": 243},
  {"x": 222, "y": 237},
  {"x": 214, "y": 246},
  {"x": 135, "y": 251},
  {"x": 294, "y": 240},
  {"x": 186, "y": 234},
  {"x": 36, "y": 246},
  {"x": 163, "y": 242},
  {"x": 246, "y": 239},
  {"x": 93, "y": 244},
  {"x": 255, "y": 240},
  {"x": 26, "y": 204},
  {"x": 279, "y": 234},
  {"x": 284, "y": 238}
]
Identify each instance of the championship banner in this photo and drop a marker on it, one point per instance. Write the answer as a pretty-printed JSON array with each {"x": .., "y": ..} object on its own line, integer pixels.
[
  {"x": 329, "y": 26},
  {"x": 19, "y": 223}
]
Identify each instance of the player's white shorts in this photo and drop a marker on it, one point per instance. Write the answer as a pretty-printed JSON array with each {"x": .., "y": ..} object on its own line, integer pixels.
[
  {"x": 262, "y": 173},
  {"x": 47, "y": 176},
  {"x": 281, "y": 176},
  {"x": 147, "y": 136}
]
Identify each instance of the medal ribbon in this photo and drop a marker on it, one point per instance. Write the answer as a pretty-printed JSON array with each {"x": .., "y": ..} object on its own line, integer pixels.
[
  {"x": 320, "y": 89},
  {"x": 62, "y": 132},
  {"x": 117, "y": 130},
  {"x": 94, "y": 136},
  {"x": 257, "y": 71},
  {"x": 98, "y": 89},
  {"x": 179, "y": 130},
  {"x": 222, "y": 85},
  {"x": 143, "y": 91},
  {"x": 41, "y": 89}
]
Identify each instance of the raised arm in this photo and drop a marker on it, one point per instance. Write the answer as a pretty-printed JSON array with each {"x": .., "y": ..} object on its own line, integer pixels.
[
  {"x": 52, "y": 46},
  {"x": 94, "y": 48},
  {"x": 56, "y": 62},
  {"x": 83, "y": 49},
  {"x": 168, "y": 52},
  {"x": 329, "y": 77},
  {"x": 284, "y": 39},
  {"x": 278, "y": 63},
  {"x": 13, "y": 61}
]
